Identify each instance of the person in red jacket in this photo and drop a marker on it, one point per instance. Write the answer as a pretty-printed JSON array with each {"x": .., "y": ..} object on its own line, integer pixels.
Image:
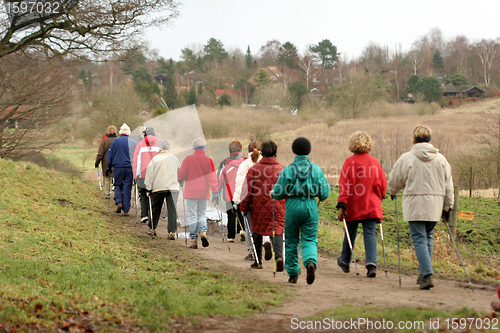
[
  {"x": 362, "y": 186},
  {"x": 495, "y": 305},
  {"x": 198, "y": 173},
  {"x": 144, "y": 152},
  {"x": 228, "y": 170},
  {"x": 259, "y": 183}
]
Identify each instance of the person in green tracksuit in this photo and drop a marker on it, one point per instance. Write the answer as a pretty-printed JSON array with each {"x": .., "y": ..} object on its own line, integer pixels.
[{"x": 300, "y": 183}]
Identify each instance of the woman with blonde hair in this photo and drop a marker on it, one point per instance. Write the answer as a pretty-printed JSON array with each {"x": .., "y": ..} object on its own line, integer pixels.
[
  {"x": 254, "y": 156},
  {"x": 425, "y": 177},
  {"x": 362, "y": 186}
]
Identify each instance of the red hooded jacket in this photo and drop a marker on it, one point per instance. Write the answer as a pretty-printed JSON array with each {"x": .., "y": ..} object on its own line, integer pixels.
[
  {"x": 227, "y": 177},
  {"x": 198, "y": 172},
  {"x": 362, "y": 186},
  {"x": 259, "y": 182}
]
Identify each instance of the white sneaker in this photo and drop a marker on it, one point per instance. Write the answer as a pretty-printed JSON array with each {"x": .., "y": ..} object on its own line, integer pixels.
[{"x": 230, "y": 240}]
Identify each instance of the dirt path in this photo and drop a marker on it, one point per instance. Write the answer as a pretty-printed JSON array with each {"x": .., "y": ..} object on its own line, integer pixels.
[{"x": 331, "y": 288}]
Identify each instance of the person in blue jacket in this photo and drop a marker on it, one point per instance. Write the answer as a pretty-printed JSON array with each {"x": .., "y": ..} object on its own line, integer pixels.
[
  {"x": 120, "y": 156},
  {"x": 300, "y": 183}
]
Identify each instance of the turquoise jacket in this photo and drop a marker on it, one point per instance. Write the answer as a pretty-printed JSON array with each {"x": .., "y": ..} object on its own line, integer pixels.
[{"x": 302, "y": 179}]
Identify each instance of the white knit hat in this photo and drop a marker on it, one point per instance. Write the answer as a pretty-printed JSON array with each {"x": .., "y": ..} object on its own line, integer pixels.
[
  {"x": 125, "y": 129},
  {"x": 199, "y": 142}
]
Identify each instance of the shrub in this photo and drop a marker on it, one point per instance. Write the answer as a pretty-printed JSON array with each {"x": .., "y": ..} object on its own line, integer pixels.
[
  {"x": 260, "y": 133},
  {"x": 53, "y": 163}
]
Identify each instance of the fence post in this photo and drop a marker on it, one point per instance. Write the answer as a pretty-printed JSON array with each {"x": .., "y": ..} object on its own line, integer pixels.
[{"x": 454, "y": 213}]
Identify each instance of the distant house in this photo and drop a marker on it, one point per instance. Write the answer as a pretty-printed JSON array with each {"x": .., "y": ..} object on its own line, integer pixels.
[
  {"x": 324, "y": 78},
  {"x": 450, "y": 90},
  {"x": 220, "y": 92},
  {"x": 474, "y": 92},
  {"x": 161, "y": 79},
  {"x": 274, "y": 74},
  {"x": 17, "y": 116}
]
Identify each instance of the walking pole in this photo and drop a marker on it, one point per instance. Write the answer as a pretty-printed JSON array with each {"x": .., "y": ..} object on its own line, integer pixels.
[
  {"x": 151, "y": 214},
  {"x": 253, "y": 244},
  {"x": 397, "y": 232},
  {"x": 109, "y": 191},
  {"x": 274, "y": 242},
  {"x": 383, "y": 247},
  {"x": 99, "y": 177},
  {"x": 350, "y": 245},
  {"x": 185, "y": 216},
  {"x": 136, "y": 195},
  {"x": 219, "y": 213},
  {"x": 459, "y": 257}
]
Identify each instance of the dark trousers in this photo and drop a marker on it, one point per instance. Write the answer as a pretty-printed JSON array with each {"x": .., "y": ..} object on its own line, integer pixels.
[
  {"x": 157, "y": 199},
  {"x": 144, "y": 202},
  {"x": 123, "y": 186},
  {"x": 233, "y": 224},
  {"x": 277, "y": 242}
]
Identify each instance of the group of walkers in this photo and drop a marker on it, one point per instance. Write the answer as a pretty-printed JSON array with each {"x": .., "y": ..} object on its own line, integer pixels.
[{"x": 269, "y": 205}]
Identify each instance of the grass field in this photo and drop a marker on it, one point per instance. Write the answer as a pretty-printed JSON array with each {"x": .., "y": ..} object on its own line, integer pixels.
[{"x": 66, "y": 263}]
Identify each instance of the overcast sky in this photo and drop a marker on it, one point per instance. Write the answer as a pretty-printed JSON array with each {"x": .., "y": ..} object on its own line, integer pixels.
[{"x": 350, "y": 25}]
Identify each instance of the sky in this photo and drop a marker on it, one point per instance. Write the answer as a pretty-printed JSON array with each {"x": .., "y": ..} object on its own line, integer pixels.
[{"x": 350, "y": 25}]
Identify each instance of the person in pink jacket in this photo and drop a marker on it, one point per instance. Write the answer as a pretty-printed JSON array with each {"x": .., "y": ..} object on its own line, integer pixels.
[
  {"x": 362, "y": 186},
  {"x": 144, "y": 152},
  {"x": 198, "y": 173}
]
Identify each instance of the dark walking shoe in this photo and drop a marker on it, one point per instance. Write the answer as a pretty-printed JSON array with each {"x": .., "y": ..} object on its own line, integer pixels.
[
  {"x": 119, "y": 207},
  {"x": 495, "y": 305},
  {"x": 311, "y": 268},
  {"x": 125, "y": 213},
  {"x": 427, "y": 282},
  {"x": 256, "y": 266},
  {"x": 249, "y": 257},
  {"x": 144, "y": 219},
  {"x": 345, "y": 267},
  {"x": 204, "y": 240},
  {"x": 279, "y": 265},
  {"x": 268, "y": 254},
  {"x": 293, "y": 278},
  {"x": 371, "y": 271},
  {"x": 419, "y": 279},
  {"x": 171, "y": 236}
]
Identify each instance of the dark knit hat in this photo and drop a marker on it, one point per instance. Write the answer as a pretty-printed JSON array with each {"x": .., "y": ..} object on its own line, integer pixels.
[{"x": 301, "y": 146}]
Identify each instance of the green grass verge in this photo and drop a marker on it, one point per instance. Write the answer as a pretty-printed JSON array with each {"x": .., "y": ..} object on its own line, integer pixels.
[{"x": 64, "y": 262}]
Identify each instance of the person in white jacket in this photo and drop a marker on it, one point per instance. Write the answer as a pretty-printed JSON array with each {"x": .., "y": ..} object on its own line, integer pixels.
[
  {"x": 425, "y": 177},
  {"x": 161, "y": 184},
  {"x": 254, "y": 156}
]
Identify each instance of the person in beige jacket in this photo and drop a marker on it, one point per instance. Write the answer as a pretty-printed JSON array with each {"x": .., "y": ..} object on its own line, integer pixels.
[
  {"x": 161, "y": 184},
  {"x": 425, "y": 177}
]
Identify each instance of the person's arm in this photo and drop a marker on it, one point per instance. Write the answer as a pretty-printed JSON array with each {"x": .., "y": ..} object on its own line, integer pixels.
[
  {"x": 246, "y": 203},
  {"x": 449, "y": 197},
  {"x": 100, "y": 154},
  {"x": 150, "y": 175},
  {"x": 324, "y": 187},
  {"x": 397, "y": 177},
  {"x": 240, "y": 179},
  {"x": 279, "y": 191},
  {"x": 182, "y": 175},
  {"x": 212, "y": 178}
]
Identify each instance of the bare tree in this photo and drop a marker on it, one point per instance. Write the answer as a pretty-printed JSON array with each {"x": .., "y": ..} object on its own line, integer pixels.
[
  {"x": 34, "y": 95},
  {"x": 457, "y": 52},
  {"x": 487, "y": 51},
  {"x": 76, "y": 26},
  {"x": 306, "y": 63},
  {"x": 415, "y": 57}
]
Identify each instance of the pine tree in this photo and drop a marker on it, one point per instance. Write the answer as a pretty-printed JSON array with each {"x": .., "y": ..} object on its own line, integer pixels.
[
  {"x": 437, "y": 60},
  {"x": 193, "y": 99},
  {"x": 248, "y": 58},
  {"x": 170, "y": 90},
  {"x": 200, "y": 89}
]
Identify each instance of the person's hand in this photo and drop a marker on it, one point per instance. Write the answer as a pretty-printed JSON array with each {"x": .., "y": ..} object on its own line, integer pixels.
[
  {"x": 341, "y": 213},
  {"x": 236, "y": 206},
  {"x": 96, "y": 165},
  {"x": 393, "y": 197},
  {"x": 108, "y": 172},
  {"x": 181, "y": 183},
  {"x": 446, "y": 216},
  {"x": 271, "y": 194},
  {"x": 215, "y": 198},
  {"x": 148, "y": 193}
]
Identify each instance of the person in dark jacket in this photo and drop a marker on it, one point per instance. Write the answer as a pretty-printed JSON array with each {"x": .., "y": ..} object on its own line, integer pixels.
[
  {"x": 300, "y": 183},
  {"x": 102, "y": 153},
  {"x": 198, "y": 173},
  {"x": 120, "y": 155},
  {"x": 228, "y": 170},
  {"x": 259, "y": 183},
  {"x": 143, "y": 154},
  {"x": 362, "y": 186}
]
